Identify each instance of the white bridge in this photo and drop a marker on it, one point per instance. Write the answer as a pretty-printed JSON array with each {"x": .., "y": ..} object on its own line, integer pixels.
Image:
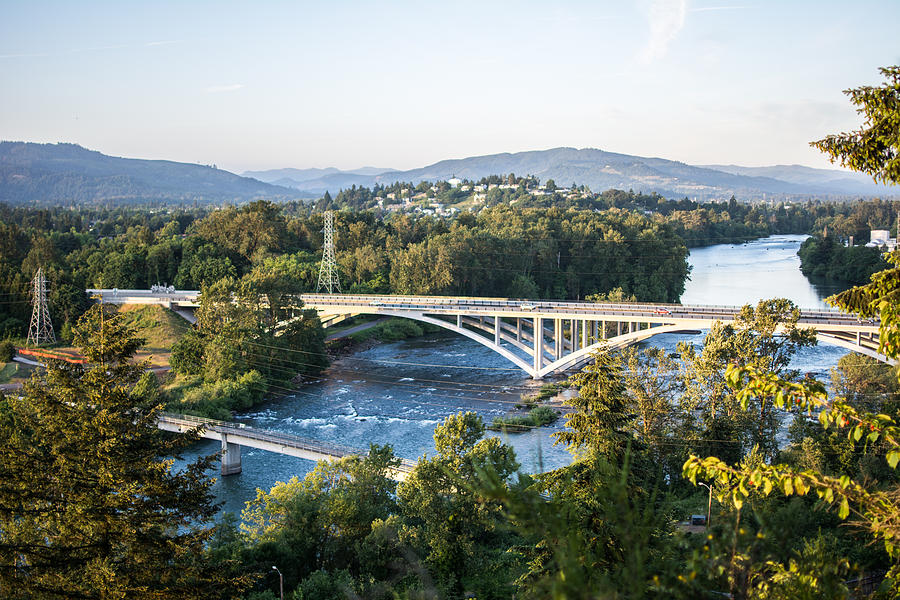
[
  {"x": 540, "y": 337},
  {"x": 235, "y": 435}
]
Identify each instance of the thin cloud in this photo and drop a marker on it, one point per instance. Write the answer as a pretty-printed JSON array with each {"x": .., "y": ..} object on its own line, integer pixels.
[
  {"x": 666, "y": 19},
  {"x": 218, "y": 89},
  {"x": 99, "y": 48},
  {"x": 32, "y": 55},
  {"x": 89, "y": 49},
  {"x": 706, "y": 8}
]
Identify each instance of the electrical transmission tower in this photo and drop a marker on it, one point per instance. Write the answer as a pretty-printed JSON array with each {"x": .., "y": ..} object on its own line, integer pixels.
[
  {"x": 328, "y": 274},
  {"x": 41, "y": 329}
]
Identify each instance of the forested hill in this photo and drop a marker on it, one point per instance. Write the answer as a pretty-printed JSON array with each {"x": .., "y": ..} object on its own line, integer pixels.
[
  {"x": 65, "y": 174},
  {"x": 601, "y": 170}
]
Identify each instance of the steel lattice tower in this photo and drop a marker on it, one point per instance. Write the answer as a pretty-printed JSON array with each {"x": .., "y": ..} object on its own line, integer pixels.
[
  {"x": 41, "y": 329},
  {"x": 328, "y": 273}
]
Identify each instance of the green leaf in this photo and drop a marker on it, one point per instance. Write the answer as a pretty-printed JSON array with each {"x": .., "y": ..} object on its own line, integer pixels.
[
  {"x": 788, "y": 486},
  {"x": 893, "y": 457},
  {"x": 845, "y": 509}
]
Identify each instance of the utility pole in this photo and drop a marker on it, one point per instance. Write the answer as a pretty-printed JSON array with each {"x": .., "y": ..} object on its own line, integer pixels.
[
  {"x": 41, "y": 329},
  {"x": 328, "y": 273}
]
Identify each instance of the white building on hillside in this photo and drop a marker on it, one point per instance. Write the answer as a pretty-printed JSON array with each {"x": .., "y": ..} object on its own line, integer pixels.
[{"x": 881, "y": 238}]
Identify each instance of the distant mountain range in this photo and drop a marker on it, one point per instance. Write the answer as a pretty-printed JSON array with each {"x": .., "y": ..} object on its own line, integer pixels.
[
  {"x": 65, "y": 174},
  {"x": 68, "y": 174},
  {"x": 602, "y": 170}
]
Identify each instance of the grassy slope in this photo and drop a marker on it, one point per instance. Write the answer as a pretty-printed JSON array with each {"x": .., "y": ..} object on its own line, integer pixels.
[
  {"x": 13, "y": 372},
  {"x": 159, "y": 326}
]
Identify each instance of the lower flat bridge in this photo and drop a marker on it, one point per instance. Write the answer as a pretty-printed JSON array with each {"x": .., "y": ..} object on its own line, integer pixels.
[
  {"x": 541, "y": 337},
  {"x": 235, "y": 435}
]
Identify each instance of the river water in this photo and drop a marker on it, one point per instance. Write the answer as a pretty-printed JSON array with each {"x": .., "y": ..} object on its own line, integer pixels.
[{"x": 396, "y": 393}]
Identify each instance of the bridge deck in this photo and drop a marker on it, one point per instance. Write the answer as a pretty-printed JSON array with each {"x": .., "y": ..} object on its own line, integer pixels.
[
  {"x": 263, "y": 439},
  {"x": 543, "y": 337},
  {"x": 333, "y": 303}
]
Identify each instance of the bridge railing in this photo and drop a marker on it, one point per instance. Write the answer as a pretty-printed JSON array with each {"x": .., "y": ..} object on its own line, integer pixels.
[
  {"x": 385, "y": 300},
  {"x": 405, "y": 301}
]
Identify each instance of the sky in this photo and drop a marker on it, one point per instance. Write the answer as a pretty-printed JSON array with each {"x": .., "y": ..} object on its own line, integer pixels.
[{"x": 403, "y": 84}]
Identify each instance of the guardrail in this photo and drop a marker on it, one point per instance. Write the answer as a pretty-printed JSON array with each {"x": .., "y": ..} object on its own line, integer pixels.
[{"x": 425, "y": 302}]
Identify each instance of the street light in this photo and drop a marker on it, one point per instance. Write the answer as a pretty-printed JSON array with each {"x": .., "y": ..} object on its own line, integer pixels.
[
  {"x": 280, "y": 582},
  {"x": 709, "y": 506}
]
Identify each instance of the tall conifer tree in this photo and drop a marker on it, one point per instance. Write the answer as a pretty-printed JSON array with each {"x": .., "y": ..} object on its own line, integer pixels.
[{"x": 90, "y": 506}]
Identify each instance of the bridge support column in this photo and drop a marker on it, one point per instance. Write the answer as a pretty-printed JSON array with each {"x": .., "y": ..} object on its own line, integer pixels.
[
  {"x": 518, "y": 329},
  {"x": 557, "y": 339},
  {"x": 573, "y": 334},
  {"x": 459, "y": 321},
  {"x": 496, "y": 331},
  {"x": 618, "y": 328},
  {"x": 538, "y": 345},
  {"x": 231, "y": 457},
  {"x": 585, "y": 342}
]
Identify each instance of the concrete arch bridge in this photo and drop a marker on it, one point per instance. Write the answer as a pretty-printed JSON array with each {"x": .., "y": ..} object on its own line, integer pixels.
[{"x": 540, "y": 337}]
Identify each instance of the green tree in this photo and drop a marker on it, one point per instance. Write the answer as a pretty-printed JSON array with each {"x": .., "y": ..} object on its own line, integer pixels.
[
  {"x": 89, "y": 504},
  {"x": 874, "y": 149},
  {"x": 765, "y": 337},
  {"x": 320, "y": 523},
  {"x": 597, "y": 425},
  {"x": 447, "y": 522}
]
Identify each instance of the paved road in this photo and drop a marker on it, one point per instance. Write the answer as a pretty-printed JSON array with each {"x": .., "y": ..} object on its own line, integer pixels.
[{"x": 355, "y": 329}]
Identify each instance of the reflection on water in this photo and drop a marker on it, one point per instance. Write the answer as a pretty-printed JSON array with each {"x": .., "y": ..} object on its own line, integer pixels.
[{"x": 394, "y": 393}]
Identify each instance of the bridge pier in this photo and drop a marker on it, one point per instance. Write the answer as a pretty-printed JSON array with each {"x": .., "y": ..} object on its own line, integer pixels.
[
  {"x": 231, "y": 457},
  {"x": 557, "y": 339},
  {"x": 538, "y": 346}
]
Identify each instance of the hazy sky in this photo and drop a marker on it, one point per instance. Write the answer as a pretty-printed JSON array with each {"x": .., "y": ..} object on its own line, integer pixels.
[{"x": 255, "y": 85}]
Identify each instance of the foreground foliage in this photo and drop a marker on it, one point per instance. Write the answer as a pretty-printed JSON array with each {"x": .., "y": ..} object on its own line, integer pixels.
[{"x": 89, "y": 504}]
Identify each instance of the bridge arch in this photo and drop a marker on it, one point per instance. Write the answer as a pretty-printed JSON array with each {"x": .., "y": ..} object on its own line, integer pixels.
[
  {"x": 541, "y": 337},
  {"x": 504, "y": 352}
]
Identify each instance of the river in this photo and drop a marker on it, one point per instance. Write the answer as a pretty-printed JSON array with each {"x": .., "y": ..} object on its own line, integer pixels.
[{"x": 395, "y": 393}]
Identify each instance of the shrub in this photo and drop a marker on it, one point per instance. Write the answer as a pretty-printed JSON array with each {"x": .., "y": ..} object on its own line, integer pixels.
[
  {"x": 187, "y": 355},
  {"x": 7, "y": 350},
  {"x": 218, "y": 399}
]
